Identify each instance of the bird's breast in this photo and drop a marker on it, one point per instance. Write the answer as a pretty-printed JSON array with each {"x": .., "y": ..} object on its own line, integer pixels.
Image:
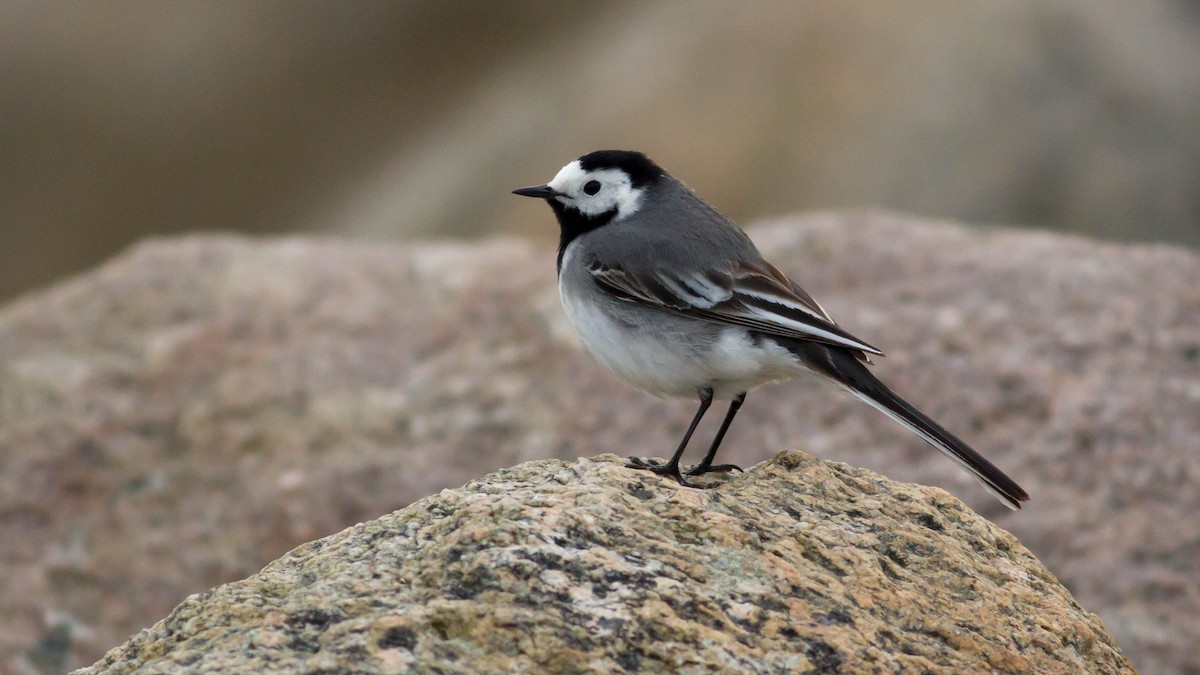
[{"x": 663, "y": 353}]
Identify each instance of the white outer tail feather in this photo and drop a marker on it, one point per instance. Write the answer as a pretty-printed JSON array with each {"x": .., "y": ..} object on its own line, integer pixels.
[{"x": 942, "y": 447}]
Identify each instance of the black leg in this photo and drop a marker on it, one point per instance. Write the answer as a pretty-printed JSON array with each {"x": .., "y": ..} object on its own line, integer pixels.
[
  {"x": 706, "y": 465},
  {"x": 671, "y": 468}
]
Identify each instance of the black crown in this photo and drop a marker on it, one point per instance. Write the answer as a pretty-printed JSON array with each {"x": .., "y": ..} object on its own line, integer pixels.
[{"x": 641, "y": 170}]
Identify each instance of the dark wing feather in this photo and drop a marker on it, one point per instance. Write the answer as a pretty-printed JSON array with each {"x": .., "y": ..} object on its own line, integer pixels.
[{"x": 752, "y": 295}]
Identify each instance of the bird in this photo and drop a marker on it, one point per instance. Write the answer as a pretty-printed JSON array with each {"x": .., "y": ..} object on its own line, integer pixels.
[{"x": 675, "y": 300}]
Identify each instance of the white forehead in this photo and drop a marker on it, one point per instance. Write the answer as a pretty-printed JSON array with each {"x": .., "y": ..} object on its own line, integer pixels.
[
  {"x": 572, "y": 176},
  {"x": 616, "y": 191}
]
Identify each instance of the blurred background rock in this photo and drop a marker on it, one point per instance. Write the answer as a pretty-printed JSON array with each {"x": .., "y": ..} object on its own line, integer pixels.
[{"x": 123, "y": 119}]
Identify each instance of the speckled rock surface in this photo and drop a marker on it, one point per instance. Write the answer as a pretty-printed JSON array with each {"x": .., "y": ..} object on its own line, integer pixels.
[
  {"x": 197, "y": 407},
  {"x": 799, "y": 565}
]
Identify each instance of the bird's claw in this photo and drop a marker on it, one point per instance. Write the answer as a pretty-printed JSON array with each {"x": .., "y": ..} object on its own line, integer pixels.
[
  {"x": 700, "y": 469},
  {"x": 667, "y": 469}
]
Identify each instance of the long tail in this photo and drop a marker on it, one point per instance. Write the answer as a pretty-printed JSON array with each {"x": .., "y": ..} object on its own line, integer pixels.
[{"x": 843, "y": 367}]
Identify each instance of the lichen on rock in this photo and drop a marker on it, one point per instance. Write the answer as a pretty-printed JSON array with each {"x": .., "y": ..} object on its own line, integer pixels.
[{"x": 798, "y": 565}]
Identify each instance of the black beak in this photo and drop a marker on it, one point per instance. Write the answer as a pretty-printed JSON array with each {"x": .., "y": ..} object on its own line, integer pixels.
[{"x": 539, "y": 191}]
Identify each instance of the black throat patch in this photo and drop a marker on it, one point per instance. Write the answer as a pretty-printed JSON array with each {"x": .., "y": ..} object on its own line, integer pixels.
[{"x": 572, "y": 224}]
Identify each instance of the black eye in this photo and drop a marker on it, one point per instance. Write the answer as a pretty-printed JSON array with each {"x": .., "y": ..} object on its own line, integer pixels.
[{"x": 591, "y": 187}]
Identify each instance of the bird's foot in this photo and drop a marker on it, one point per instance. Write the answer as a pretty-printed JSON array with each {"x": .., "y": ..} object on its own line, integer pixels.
[
  {"x": 701, "y": 469},
  {"x": 666, "y": 469}
]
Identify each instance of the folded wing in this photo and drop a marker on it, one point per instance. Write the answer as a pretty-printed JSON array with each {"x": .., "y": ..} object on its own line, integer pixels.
[{"x": 752, "y": 295}]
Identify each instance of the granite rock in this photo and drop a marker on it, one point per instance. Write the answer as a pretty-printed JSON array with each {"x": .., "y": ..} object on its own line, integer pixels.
[
  {"x": 197, "y": 407},
  {"x": 800, "y": 565}
]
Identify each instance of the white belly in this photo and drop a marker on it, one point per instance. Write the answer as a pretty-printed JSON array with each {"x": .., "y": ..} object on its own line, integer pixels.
[{"x": 669, "y": 355}]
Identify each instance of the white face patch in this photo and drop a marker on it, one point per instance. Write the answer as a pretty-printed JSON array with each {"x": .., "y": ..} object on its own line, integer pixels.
[{"x": 616, "y": 191}]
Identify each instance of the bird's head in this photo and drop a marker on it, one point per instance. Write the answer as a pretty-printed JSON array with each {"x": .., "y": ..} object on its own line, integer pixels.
[{"x": 598, "y": 188}]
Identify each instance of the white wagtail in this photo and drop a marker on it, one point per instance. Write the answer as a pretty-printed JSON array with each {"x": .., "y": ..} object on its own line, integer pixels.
[{"x": 674, "y": 299}]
